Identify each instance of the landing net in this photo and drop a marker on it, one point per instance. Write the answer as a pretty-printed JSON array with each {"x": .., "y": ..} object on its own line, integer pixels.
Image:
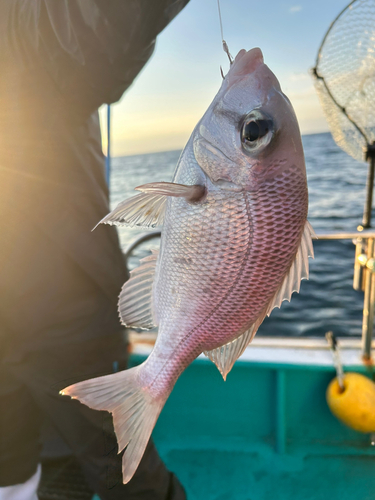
[{"x": 345, "y": 77}]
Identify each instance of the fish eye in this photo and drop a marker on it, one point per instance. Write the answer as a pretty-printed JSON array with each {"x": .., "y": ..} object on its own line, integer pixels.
[{"x": 256, "y": 131}]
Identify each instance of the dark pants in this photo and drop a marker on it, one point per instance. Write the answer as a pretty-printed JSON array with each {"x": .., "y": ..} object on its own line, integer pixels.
[{"x": 29, "y": 389}]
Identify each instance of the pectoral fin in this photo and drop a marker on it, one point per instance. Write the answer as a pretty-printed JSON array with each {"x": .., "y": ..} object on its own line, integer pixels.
[
  {"x": 141, "y": 210},
  {"x": 191, "y": 193},
  {"x": 148, "y": 208}
]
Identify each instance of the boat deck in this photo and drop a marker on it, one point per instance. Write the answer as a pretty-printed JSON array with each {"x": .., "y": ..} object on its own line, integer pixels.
[{"x": 266, "y": 433}]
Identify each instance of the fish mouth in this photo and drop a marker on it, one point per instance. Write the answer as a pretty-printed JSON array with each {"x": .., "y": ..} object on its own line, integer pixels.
[{"x": 246, "y": 62}]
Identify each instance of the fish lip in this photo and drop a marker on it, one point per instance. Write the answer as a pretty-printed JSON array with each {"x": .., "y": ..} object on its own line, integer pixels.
[{"x": 246, "y": 62}]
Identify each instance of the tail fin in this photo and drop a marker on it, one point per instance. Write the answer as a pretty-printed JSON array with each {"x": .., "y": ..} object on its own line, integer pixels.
[{"x": 134, "y": 411}]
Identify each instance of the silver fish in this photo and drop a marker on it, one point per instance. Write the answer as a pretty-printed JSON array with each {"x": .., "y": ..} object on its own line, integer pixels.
[{"x": 235, "y": 244}]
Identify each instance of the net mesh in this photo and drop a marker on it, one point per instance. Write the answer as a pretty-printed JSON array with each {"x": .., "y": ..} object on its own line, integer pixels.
[{"x": 345, "y": 81}]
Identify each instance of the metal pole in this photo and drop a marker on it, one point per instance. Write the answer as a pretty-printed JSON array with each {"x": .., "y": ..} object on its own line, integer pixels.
[
  {"x": 369, "y": 277},
  {"x": 108, "y": 157},
  {"x": 370, "y": 157},
  {"x": 358, "y": 280},
  {"x": 368, "y": 303}
]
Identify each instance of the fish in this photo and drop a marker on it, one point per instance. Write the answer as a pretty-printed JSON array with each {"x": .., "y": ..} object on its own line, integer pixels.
[{"x": 235, "y": 244}]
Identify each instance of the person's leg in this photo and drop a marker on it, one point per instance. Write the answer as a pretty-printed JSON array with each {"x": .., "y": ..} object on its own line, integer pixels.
[
  {"x": 89, "y": 433},
  {"x": 67, "y": 331},
  {"x": 23, "y": 491},
  {"x": 20, "y": 422}
]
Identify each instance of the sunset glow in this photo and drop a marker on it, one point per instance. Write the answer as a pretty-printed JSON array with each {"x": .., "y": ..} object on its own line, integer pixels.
[{"x": 160, "y": 110}]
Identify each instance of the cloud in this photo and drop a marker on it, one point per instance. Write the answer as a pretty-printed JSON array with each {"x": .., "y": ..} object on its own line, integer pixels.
[
  {"x": 295, "y": 8},
  {"x": 299, "y": 77},
  {"x": 304, "y": 93}
]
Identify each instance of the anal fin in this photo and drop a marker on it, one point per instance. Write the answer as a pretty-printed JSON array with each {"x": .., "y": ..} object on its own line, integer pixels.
[{"x": 225, "y": 356}]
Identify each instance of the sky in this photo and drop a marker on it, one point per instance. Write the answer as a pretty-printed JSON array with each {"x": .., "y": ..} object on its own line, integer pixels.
[{"x": 159, "y": 111}]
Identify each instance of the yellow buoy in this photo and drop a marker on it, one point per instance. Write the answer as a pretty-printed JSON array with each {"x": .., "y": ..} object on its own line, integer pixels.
[{"x": 355, "y": 405}]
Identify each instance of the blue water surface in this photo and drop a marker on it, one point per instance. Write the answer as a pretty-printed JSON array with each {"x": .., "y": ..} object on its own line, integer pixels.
[{"x": 336, "y": 199}]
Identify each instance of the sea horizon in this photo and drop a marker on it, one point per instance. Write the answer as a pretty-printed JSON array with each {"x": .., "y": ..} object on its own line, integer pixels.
[
  {"x": 180, "y": 149},
  {"x": 337, "y": 186}
]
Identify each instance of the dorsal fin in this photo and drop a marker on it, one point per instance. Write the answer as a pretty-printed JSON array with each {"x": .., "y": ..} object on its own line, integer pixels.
[
  {"x": 225, "y": 356},
  {"x": 298, "y": 271},
  {"x": 135, "y": 305}
]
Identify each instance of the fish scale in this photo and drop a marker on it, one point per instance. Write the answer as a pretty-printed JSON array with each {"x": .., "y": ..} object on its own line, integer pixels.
[
  {"x": 235, "y": 244},
  {"x": 249, "y": 284}
]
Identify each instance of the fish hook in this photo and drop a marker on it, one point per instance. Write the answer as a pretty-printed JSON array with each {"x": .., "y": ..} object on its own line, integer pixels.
[
  {"x": 225, "y": 45},
  {"x": 226, "y": 50}
]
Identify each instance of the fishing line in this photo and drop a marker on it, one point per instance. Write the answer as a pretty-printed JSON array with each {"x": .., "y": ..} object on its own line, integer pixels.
[{"x": 225, "y": 45}]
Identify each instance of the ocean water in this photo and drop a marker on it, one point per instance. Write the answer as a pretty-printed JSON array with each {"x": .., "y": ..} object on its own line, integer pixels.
[{"x": 336, "y": 199}]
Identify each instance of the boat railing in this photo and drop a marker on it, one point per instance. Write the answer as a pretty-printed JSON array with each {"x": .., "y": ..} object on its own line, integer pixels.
[
  {"x": 353, "y": 235},
  {"x": 363, "y": 278},
  {"x": 138, "y": 240}
]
